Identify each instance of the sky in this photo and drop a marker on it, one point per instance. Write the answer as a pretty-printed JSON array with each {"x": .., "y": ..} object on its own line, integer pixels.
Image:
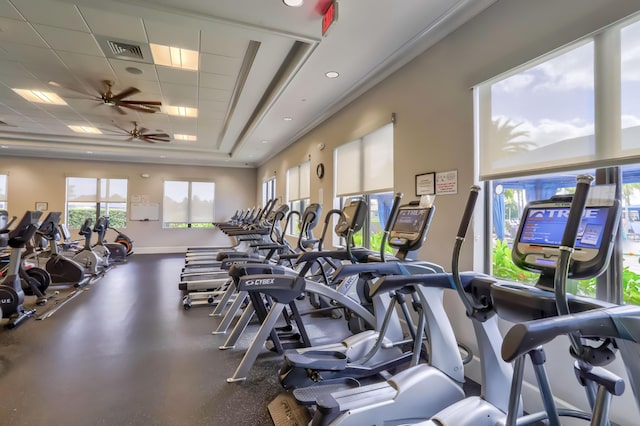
[{"x": 554, "y": 100}]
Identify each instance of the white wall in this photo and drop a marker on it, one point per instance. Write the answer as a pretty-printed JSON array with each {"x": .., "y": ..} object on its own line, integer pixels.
[
  {"x": 433, "y": 102},
  {"x": 31, "y": 180}
]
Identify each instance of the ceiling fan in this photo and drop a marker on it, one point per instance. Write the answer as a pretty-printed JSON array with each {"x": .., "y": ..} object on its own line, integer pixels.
[
  {"x": 141, "y": 133},
  {"x": 117, "y": 100}
]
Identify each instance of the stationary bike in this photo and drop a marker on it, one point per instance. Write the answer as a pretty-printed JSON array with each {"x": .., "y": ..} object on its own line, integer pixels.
[
  {"x": 86, "y": 257},
  {"x": 11, "y": 292}
]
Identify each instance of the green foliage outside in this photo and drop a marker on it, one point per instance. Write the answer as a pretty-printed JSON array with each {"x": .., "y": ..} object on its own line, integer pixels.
[
  {"x": 374, "y": 243},
  {"x": 503, "y": 267},
  {"x": 77, "y": 216}
]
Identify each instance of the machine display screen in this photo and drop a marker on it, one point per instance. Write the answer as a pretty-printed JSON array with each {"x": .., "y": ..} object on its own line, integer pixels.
[
  {"x": 410, "y": 220},
  {"x": 545, "y": 226}
]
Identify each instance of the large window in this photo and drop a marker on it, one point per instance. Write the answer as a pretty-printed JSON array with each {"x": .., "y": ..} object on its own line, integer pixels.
[
  {"x": 94, "y": 197},
  {"x": 188, "y": 204},
  {"x": 268, "y": 190},
  {"x": 574, "y": 109},
  {"x": 298, "y": 192},
  {"x": 364, "y": 167},
  {"x": 3, "y": 192}
]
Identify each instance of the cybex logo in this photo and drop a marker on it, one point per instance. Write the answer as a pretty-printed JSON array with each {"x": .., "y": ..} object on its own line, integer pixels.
[
  {"x": 560, "y": 213},
  {"x": 262, "y": 281}
]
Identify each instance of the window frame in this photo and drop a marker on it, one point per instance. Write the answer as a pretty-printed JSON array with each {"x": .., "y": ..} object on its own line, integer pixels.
[
  {"x": 99, "y": 202},
  {"x": 189, "y": 224},
  {"x": 608, "y": 92}
]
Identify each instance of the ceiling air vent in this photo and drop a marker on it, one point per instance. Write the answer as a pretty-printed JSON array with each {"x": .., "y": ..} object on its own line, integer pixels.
[{"x": 124, "y": 49}]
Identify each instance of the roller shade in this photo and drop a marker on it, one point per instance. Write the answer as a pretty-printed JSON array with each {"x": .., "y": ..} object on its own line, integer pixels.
[{"x": 299, "y": 182}]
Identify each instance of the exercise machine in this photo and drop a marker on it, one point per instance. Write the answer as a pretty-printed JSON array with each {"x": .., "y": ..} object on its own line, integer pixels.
[{"x": 11, "y": 292}]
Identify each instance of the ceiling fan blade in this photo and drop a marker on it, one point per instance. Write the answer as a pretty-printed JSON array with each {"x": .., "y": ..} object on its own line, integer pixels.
[
  {"x": 141, "y": 108},
  {"x": 142, "y": 131},
  {"x": 159, "y": 139},
  {"x": 120, "y": 110},
  {"x": 158, "y": 103},
  {"x": 130, "y": 138},
  {"x": 158, "y": 135},
  {"x": 118, "y": 132},
  {"x": 149, "y": 140},
  {"x": 126, "y": 93}
]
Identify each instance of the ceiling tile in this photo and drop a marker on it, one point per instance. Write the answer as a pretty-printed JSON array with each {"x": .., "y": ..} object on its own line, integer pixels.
[
  {"x": 115, "y": 25},
  {"x": 205, "y": 93},
  {"x": 120, "y": 67},
  {"x": 179, "y": 94},
  {"x": 209, "y": 107},
  {"x": 217, "y": 81},
  {"x": 11, "y": 68},
  {"x": 216, "y": 43},
  {"x": 92, "y": 68},
  {"x": 172, "y": 35},
  {"x": 219, "y": 64},
  {"x": 28, "y": 54},
  {"x": 69, "y": 41},
  {"x": 177, "y": 76},
  {"x": 56, "y": 14},
  {"x": 19, "y": 32},
  {"x": 8, "y": 11}
]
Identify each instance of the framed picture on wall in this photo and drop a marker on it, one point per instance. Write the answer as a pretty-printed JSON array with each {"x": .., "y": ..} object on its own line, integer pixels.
[
  {"x": 425, "y": 184},
  {"x": 42, "y": 206}
]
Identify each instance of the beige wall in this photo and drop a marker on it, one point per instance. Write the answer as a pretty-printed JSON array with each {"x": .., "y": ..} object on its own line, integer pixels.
[
  {"x": 32, "y": 180},
  {"x": 433, "y": 102}
]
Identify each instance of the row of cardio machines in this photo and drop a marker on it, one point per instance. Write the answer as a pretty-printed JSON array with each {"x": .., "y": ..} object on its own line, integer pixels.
[
  {"x": 257, "y": 235},
  {"x": 560, "y": 238},
  {"x": 31, "y": 270}
]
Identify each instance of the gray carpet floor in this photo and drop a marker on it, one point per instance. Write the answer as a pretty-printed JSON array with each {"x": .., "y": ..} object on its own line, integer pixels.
[{"x": 124, "y": 352}]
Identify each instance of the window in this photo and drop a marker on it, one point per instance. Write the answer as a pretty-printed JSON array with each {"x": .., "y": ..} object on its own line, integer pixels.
[
  {"x": 364, "y": 167},
  {"x": 3, "y": 192},
  {"x": 298, "y": 191},
  {"x": 554, "y": 115},
  {"x": 94, "y": 197},
  {"x": 188, "y": 204},
  {"x": 268, "y": 190}
]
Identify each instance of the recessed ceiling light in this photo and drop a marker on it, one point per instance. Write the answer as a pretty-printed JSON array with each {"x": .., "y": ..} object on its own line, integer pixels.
[
  {"x": 331, "y": 74},
  {"x": 184, "y": 137},
  {"x": 287, "y": 119},
  {"x": 181, "y": 111},
  {"x": 89, "y": 152},
  {"x": 174, "y": 57},
  {"x": 4, "y": 146},
  {"x": 293, "y": 3},
  {"x": 40, "y": 97},
  {"x": 85, "y": 129},
  {"x": 163, "y": 156},
  {"x": 265, "y": 141}
]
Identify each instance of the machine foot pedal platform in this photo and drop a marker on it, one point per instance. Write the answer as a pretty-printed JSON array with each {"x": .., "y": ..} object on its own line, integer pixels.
[
  {"x": 307, "y": 396},
  {"x": 285, "y": 411}
]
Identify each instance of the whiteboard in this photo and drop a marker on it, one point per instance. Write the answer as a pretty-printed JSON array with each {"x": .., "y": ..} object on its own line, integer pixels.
[{"x": 145, "y": 211}]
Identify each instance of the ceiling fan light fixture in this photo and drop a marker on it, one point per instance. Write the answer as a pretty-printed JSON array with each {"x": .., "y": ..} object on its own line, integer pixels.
[
  {"x": 174, "y": 57},
  {"x": 293, "y": 3},
  {"x": 40, "y": 97},
  {"x": 181, "y": 111},
  {"x": 189, "y": 138},
  {"x": 85, "y": 129}
]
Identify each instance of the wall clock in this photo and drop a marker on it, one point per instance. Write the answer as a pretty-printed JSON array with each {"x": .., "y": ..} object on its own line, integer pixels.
[{"x": 320, "y": 171}]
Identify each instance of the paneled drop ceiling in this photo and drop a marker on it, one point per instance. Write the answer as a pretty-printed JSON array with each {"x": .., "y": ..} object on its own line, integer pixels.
[{"x": 258, "y": 62}]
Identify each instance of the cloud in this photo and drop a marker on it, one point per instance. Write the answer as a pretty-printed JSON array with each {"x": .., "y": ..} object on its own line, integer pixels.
[
  {"x": 630, "y": 121},
  {"x": 548, "y": 131},
  {"x": 571, "y": 70},
  {"x": 514, "y": 83}
]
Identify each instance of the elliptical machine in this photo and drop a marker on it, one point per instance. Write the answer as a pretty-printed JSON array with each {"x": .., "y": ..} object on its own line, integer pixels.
[
  {"x": 61, "y": 269},
  {"x": 121, "y": 247},
  {"x": 11, "y": 292}
]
